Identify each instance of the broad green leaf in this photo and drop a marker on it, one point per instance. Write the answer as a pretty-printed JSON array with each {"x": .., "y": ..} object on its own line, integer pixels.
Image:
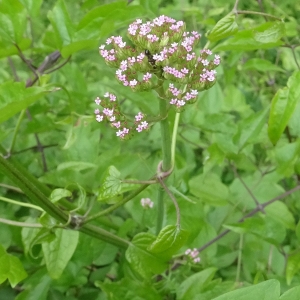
[
  {"x": 141, "y": 260},
  {"x": 280, "y": 212},
  {"x": 259, "y": 37},
  {"x": 11, "y": 268},
  {"x": 283, "y": 106},
  {"x": 286, "y": 157},
  {"x": 209, "y": 188},
  {"x": 251, "y": 127},
  {"x": 77, "y": 166},
  {"x": 267, "y": 290},
  {"x": 111, "y": 186},
  {"x": 58, "y": 252},
  {"x": 62, "y": 23},
  {"x": 170, "y": 239},
  {"x": 36, "y": 286},
  {"x": 129, "y": 289},
  {"x": 265, "y": 227},
  {"x": 261, "y": 65},
  {"x": 292, "y": 294},
  {"x": 59, "y": 194},
  {"x": 32, "y": 6},
  {"x": 269, "y": 32},
  {"x": 8, "y": 50},
  {"x": 195, "y": 284},
  {"x": 293, "y": 267},
  {"x": 14, "y": 97},
  {"x": 297, "y": 231},
  {"x": 12, "y": 21},
  {"x": 224, "y": 28}
]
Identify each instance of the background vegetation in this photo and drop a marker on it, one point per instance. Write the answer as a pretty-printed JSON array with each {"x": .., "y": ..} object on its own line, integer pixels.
[{"x": 73, "y": 227}]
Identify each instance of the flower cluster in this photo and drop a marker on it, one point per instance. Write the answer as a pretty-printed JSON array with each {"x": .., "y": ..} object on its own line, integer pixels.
[
  {"x": 147, "y": 203},
  {"x": 161, "y": 53},
  {"x": 193, "y": 254},
  {"x": 112, "y": 114}
]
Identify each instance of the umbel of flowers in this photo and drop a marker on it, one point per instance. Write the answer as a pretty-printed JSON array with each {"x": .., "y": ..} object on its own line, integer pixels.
[{"x": 160, "y": 54}]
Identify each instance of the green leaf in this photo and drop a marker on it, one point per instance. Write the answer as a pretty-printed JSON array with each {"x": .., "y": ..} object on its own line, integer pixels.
[
  {"x": 12, "y": 21},
  {"x": 110, "y": 189},
  {"x": 195, "y": 284},
  {"x": 269, "y": 32},
  {"x": 224, "y": 28},
  {"x": 261, "y": 65},
  {"x": 259, "y": 37},
  {"x": 61, "y": 23},
  {"x": 251, "y": 127},
  {"x": 58, "y": 252},
  {"x": 280, "y": 212},
  {"x": 10, "y": 268},
  {"x": 129, "y": 289},
  {"x": 209, "y": 188},
  {"x": 170, "y": 239},
  {"x": 286, "y": 158},
  {"x": 14, "y": 97},
  {"x": 293, "y": 267},
  {"x": 283, "y": 106},
  {"x": 292, "y": 294},
  {"x": 268, "y": 290},
  {"x": 141, "y": 260},
  {"x": 265, "y": 227},
  {"x": 32, "y": 6},
  {"x": 59, "y": 194}
]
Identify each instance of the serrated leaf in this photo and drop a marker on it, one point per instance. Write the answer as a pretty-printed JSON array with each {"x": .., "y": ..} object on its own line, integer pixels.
[
  {"x": 141, "y": 260},
  {"x": 267, "y": 290},
  {"x": 283, "y": 106},
  {"x": 224, "y": 28},
  {"x": 169, "y": 238},
  {"x": 58, "y": 252},
  {"x": 10, "y": 268},
  {"x": 111, "y": 186}
]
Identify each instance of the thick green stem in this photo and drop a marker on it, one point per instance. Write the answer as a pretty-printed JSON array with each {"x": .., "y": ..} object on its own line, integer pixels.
[
  {"x": 37, "y": 197},
  {"x": 165, "y": 136},
  {"x": 166, "y": 155}
]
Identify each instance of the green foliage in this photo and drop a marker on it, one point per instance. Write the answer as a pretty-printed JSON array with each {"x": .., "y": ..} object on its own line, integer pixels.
[{"x": 83, "y": 214}]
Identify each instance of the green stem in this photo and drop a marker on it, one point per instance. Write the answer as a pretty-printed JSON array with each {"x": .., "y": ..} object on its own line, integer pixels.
[
  {"x": 166, "y": 154},
  {"x": 160, "y": 210},
  {"x": 21, "y": 203},
  {"x": 37, "y": 197},
  {"x": 115, "y": 206},
  {"x": 174, "y": 135},
  {"x": 16, "y": 130},
  {"x": 165, "y": 136}
]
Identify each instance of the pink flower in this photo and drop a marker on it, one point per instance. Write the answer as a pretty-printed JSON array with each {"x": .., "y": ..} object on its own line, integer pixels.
[
  {"x": 147, "y": 76},
  {"x": 147, "y": 203},
  {"x": 133, "y": 83}
]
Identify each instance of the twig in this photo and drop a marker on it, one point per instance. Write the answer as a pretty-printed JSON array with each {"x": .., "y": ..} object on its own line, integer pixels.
[
  {"x": 173, "y": 199},
  {"x": 20, "y": 224},
  {"x": 247, "y": 188}
]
